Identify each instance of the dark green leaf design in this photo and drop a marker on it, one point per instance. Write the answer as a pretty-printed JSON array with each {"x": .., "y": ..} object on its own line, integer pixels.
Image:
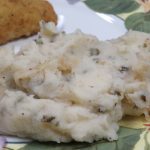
[
  {"x": 139, "y": 22},
  {"x": 113, "y": 6},
  {"x": 127, "y": 139}
]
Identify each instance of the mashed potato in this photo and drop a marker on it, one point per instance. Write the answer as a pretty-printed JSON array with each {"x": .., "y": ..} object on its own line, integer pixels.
[{"x": 74, "y": 87}]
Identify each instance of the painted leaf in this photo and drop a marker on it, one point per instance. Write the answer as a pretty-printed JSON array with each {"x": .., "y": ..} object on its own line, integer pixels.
[
  {"x": 127, "y": 139},
  {"x": 139, "y": 22},
  {"x": 113, "y": 6}
]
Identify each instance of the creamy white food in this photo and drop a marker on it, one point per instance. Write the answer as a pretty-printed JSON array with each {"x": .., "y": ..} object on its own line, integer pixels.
[{"x": 74, "y": 87}]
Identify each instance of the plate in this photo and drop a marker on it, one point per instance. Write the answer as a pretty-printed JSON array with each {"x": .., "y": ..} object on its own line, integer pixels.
[
  {"x": 73, "y": 16},
  {"x": 79, "y": 16}
]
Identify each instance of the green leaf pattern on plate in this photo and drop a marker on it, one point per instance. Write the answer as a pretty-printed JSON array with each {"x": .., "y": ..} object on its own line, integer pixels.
[
  {"x": 113, "y": 6},
  {"x": 139, "y": 22},
  {"x": 135, "y": 20},
  {"x": 127, "y": 139}
]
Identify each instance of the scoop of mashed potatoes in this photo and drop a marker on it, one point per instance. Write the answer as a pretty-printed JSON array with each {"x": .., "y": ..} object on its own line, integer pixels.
[{"x": 65, "y": 87}]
